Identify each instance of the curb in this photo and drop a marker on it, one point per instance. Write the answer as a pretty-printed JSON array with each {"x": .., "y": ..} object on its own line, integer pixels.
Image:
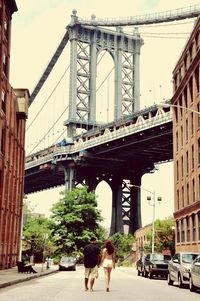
[{"x": 16, "y": 281}]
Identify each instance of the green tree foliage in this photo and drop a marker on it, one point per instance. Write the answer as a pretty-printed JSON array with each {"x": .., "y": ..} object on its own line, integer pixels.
[
  {"x": 76, "y": 219},
  {"x": 123, "y": 244},
  {"x": 37, "y": 237},
  {"x": 164, "y": 236}
]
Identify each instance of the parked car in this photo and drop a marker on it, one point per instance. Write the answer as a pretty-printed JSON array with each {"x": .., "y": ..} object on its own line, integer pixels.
[
  {"x": 194, "y": 280},
  {"x": 179, "y": 268},
  {"x": 67, "y": 264},
  {"x": 155, "y": 265},
  {"x": 140, "y": 265}
]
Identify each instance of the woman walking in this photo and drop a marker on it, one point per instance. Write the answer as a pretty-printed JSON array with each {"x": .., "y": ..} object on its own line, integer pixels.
[{"x": 108, "y": 261}]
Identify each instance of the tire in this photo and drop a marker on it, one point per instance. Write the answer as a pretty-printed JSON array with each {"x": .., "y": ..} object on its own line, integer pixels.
[
  {"x": 180, "y": 283},
  {"x": 169, "y": 280},
  {"x": 191, "y": 285}
]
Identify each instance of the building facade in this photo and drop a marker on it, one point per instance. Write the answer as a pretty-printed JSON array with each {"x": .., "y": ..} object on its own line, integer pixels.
[
  {"x": 13, "y": 114},
  {"x": 186, "y": 144}
]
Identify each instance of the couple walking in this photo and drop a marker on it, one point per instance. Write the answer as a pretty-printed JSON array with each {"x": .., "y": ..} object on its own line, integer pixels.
[{"x": 92, "y": 261}]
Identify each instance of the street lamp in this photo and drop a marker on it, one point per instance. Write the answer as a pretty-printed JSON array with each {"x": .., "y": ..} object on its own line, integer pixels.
[
  {"x": 159, "y": 199},
  {"x": 168, "y": 104}
]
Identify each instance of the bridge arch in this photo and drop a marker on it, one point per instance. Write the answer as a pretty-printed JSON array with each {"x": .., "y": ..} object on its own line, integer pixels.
[
  {"x": 105, "y": 86},
  {"x": 104, "y": 200}
]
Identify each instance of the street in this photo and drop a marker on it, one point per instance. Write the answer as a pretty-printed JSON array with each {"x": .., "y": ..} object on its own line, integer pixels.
[{"x": 67, "y": 285}]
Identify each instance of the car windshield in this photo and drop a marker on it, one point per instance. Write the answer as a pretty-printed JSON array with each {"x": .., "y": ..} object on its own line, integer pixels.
[
  {"x": 188, "y": 258},
  {"x": 67, "y": 259},
  {"x": 157, "y": 257}
]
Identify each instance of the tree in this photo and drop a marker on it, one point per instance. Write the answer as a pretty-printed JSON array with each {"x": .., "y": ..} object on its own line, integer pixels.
[
  {"x": 123, "y": 244},
  {"x": 35, "y": 234},
  {"x": 164, "y": 236},
  {"x": 76, "y": 219}
]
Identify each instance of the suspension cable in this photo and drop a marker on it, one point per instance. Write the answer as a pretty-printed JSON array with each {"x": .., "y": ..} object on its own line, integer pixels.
[
  {"x": 48, "y": 131},
  {"x": 48, "y": 98},
  {"x": 105, "y": 79}
]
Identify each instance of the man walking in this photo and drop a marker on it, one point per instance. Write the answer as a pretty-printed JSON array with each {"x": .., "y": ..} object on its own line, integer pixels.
[{"x": 91, "y": 262}]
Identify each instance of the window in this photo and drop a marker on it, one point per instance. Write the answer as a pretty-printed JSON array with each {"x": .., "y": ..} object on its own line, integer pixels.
[
  {"x": 176, "y": 141},
  {"x": 188, "y": 227},
  {"x": 3, "y": 99},
  {"x": 196, "y": 76},
  {"x": 193, "y": 191},
  {"x": 5, "y": 64},
  {"x": 183, "y": 200},
  {"x": 185, "y": 96},
  {"x": 190, "y": 51},
  {"x": 186, "y": 130},
  {"x": 192, "y": 123},
  {"x": 182, "y": 231},
  {"x": 176, "y": 114},
  {"x": 197, "y": 41},
  {"x": 188, "y": 195},
  {"x": 177, "y": 171},
  {"x": 3, "y": 141},
  {"x": 6, "y": 29},
  {"x": 191, "y": 88},
  {"x": 182, "y": 166},
  {"x": 181, "y": 106},
  {"x": 178, "y": 231},
  {"x": 192, "y": 156},
  {"x": 193, "y": 227},
  {"x": 199, "y": 223},
  {"x": 181, "y": 136},
  {"x": 178, "y": 200},
  {"x": 187, "y": 163}
]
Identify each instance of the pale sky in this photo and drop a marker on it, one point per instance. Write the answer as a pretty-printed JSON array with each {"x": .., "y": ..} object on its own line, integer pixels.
[{"x": 37, "y": 29}]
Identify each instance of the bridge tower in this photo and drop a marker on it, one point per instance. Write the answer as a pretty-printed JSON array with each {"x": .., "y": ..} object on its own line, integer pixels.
[{"x": 86, "y": 42}]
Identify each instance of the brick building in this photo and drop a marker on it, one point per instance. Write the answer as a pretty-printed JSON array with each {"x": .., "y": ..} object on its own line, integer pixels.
[
  {"x": 13, "y": 114},
  {"x": 186, "y": 144}
]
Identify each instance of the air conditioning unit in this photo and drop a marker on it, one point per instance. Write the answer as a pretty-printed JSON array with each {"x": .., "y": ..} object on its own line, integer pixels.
[{"x": 22, "y": 102}]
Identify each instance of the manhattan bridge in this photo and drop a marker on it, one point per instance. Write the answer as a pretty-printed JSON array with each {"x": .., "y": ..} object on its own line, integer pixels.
[{"x": 74, "y": 147}]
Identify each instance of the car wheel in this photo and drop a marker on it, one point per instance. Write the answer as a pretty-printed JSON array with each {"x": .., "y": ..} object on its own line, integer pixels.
[
  {"x": 191, "y": 285},
  {"x": 169, "y": 280},
  {"x": 145, "y": 274},
  {"x": 180, "y": 283}
]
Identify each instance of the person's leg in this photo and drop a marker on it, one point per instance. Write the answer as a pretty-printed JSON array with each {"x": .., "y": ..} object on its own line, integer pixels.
[
  {"x": 86, "y": 284},
  {"x": 107, "y": 277},
  {"x": 87, "y": 274},
  {"x": 109, "y": 272},
  {"x": 91, "y": 283}
]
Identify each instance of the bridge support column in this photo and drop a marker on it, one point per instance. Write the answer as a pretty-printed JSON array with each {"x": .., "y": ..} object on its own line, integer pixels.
[
  {"x": 69, "y": 178},
  {"x": 116, "y": 219},
  {"x": 135, "y": 205}
]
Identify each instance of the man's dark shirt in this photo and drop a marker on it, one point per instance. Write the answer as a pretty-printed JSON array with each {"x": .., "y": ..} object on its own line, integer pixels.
[{"x": 91, "y": 255}]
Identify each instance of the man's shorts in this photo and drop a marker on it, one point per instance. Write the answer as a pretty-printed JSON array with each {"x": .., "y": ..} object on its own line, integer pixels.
[{"x": 91, "y": 272}]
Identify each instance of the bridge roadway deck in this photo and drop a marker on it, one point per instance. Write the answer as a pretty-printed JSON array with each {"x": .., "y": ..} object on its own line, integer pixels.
[{"x": 133, "y": 144}]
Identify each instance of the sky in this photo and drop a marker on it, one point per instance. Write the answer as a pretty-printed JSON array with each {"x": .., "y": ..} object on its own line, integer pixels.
[{"x": 37, "y": 29}]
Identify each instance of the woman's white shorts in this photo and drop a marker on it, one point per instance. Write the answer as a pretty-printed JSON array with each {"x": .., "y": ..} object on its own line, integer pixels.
[{"x": 107, "y": 263}]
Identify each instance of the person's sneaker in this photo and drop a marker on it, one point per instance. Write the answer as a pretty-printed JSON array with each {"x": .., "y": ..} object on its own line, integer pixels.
[
  {"x": 107, "y": 290},
  {"x": 91, "y": 290}
]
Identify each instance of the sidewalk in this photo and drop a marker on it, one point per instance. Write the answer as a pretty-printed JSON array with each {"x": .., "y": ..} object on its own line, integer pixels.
[{"x": 11, "y": 276}]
